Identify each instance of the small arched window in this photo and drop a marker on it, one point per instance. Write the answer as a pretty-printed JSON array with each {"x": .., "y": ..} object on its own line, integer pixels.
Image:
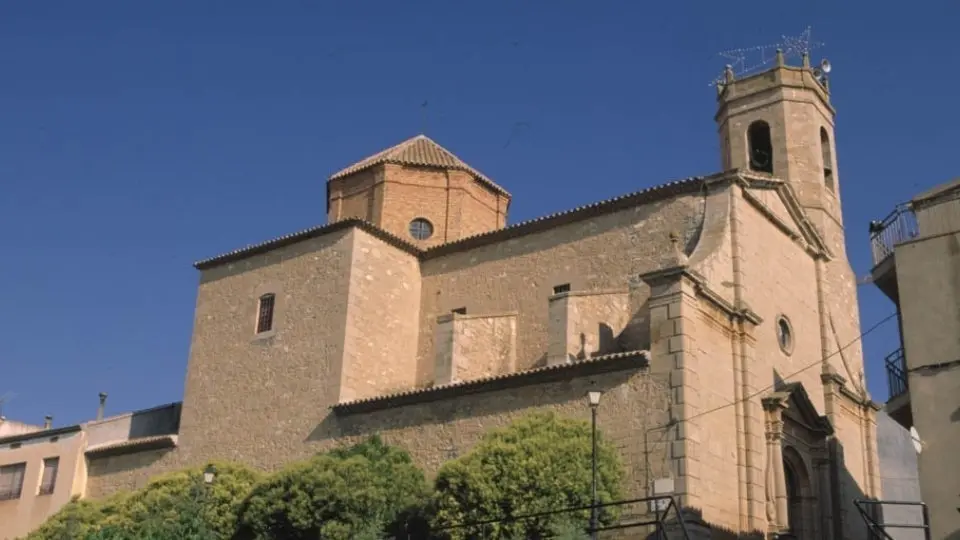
[
  {"x": 827, "y": 153},
  {"x": 760, "y": 146},
  {"x": 784, "y": 334},
  {"x": 265, "y": 313}
]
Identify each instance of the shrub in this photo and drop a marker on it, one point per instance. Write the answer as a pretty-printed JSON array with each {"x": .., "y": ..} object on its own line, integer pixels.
[
  {"x": 173, "y": 506},
  {"x": 341, "y": 494},
  {"x": 539, "y": 463}
]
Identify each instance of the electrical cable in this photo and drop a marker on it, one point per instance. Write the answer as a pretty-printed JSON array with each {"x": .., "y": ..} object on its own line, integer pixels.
[{"x": 790, "y": 376}]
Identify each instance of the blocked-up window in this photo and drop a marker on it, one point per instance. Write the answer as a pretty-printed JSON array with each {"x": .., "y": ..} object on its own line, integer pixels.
[
  {"x": 11, "y": 481},
  {"x": 48, "y": 481}
]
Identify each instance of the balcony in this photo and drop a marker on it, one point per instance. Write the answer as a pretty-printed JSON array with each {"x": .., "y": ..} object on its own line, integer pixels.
[
  {"x": 896, "y": 228},
  {"x": 898, "y": 404}
]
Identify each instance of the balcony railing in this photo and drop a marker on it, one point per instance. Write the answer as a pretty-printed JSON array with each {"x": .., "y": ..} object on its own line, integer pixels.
[
  {"x": 899, "y": 226},
  {"x": 896, "y": 373}
]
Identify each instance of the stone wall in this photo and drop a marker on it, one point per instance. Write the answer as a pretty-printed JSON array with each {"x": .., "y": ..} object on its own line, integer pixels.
[
  {"x": 437, "y": 430},
  {"x": 518, "y": 274},
  {"x": 381, "y": 328},
  {"x": 779, "y": 279},
  {"x": 257, "y": 395},
  {"x": 126, "y": 472},
  {"x": 586, "y": 323},
  {"x": 470, "y": 347}
]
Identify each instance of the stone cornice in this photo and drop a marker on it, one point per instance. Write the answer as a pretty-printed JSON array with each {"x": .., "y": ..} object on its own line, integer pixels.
[
  {"x": 816, "y": 245},
  {"x": 845, "y": 391},
  {"x": 703, "y": 290}
]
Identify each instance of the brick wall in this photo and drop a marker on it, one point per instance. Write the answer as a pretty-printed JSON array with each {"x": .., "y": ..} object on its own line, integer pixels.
[
  {"x": 359, "y": 195},
  {"x": 453, "y": 201}
]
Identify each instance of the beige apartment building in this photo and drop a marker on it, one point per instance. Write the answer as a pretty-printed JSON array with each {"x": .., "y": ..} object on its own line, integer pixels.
[
  {"x": 716, "y": 314},
  {"x": 42, "y": 468},
  {"x": 916, "y": 255}
]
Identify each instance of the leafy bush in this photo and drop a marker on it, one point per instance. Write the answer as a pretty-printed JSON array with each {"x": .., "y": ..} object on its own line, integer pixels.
[
  {"x": 539, "y": 463},
  {"x": 79, "y": 519},
  {"x": 173, "y": 506},
  {"x": 343, "y": 494},
  {"x": 181, "y": 502}
]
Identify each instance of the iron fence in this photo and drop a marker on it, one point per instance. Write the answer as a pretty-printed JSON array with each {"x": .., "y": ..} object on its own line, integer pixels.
[
  {"x": 897, "y": 382},
  {"x": 869, "y": 511},
  {"x": 899, "y": 226},
  {"x": 666, "y": 517}
]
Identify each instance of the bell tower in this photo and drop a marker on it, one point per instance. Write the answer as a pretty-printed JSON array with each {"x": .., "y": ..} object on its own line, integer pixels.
[{"x": 780, "y": 123}]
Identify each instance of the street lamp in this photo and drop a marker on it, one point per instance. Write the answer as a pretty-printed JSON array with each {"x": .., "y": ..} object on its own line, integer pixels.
[
  {"x": 594, "y": 398},
  {"x": 209, "y": 474}
]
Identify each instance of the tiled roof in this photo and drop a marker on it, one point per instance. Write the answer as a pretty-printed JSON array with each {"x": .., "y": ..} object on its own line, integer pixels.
[
  {"x": 621, "y": 202},
  {"x": 597, "y": 364},
  {"x": 133, "y": 445},
  {"x": 298, "y": 236},
  {"x": 53, "y": 432},
  {"x": 422, "y": 151}
]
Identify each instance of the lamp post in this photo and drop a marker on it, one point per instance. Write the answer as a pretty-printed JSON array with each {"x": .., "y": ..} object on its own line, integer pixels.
[
  {"x": 594, "y": 398},
  {"x": 209, "y": 474}
]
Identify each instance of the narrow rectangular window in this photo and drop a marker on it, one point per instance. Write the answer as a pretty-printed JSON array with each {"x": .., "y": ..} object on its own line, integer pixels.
[
  {"x": 48, "y": 481},
  {"x": 265, "y": 313},
  {"x": 11, "y": 481},
  {"x": 460, "y": 311},
  {"x": 561, "y": 288}
]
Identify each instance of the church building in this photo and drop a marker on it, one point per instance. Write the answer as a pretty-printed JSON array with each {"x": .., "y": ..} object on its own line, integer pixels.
[{"x": 717, "y": 315}]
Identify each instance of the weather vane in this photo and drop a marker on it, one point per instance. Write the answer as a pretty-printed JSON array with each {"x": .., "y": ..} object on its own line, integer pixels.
[{"x": 749, "y": 60}]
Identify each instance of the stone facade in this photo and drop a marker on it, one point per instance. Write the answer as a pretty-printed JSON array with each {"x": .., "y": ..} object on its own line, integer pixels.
[{"x": 714, "y": 313}]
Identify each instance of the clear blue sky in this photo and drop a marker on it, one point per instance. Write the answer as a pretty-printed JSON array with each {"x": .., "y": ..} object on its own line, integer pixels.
[{"x": 135, "y": 140}]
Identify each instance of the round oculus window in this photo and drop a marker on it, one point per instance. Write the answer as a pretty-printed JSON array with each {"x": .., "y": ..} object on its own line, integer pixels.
[
  {"x": 421, "y": 229},
  {"x": 784, "y": 334}
]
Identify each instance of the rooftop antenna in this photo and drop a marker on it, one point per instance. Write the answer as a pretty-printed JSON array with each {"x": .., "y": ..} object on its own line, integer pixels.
[{"x": 749, "y": 60}]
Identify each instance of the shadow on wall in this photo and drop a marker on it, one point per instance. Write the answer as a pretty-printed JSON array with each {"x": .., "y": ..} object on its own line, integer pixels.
[
  {"x": 447, "y": 410},
  {"x": 160, "y": 421},
  {"x": 437, "y": 430},
  {"x": 819, "y": 514},
  {"x": 955, "y": 415}
]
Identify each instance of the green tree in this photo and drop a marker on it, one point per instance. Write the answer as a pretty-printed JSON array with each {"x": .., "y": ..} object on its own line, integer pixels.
[
  {"x": 343, "y": 494},
  {"x": 539, "y": 463},
  {"x": 173, "y": 506},
  {"x": 180, "y": 503},
  {"x": 78, "y": 519}
]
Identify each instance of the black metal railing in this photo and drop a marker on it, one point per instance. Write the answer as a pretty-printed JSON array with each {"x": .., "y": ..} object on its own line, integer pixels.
[
  {"x": 899, "y": 226},
  {"x": 664, "y": 515},
  {"x": 897, "y": 382},
  {"x": 870, "y": 512}
]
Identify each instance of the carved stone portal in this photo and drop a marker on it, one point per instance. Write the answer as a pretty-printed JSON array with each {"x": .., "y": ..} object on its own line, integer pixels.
[{"x": 796, "y": 435}]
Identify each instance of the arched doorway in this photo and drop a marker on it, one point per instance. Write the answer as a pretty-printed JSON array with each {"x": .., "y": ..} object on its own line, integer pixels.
[{"x": 798, "y": 490}]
